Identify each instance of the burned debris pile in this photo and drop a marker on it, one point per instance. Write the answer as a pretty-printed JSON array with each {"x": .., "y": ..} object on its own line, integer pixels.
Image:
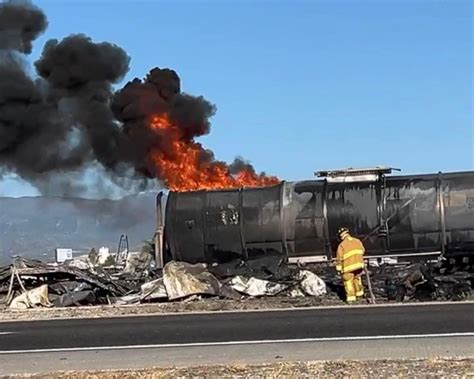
[
  {"x": 423, "y": 282},
  {"x": 69, "y": 283},
  {"x": 98, "y": 279}
]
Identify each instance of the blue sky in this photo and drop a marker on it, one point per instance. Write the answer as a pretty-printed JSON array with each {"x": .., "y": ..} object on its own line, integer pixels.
[{"x": 305, "y": 85}]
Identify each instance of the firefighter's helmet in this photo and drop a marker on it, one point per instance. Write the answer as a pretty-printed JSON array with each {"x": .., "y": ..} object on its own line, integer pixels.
[{"x": 343, "y": 233}]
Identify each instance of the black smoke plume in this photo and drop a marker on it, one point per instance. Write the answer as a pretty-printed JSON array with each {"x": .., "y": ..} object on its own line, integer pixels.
[
  {"x": 58, "y": 125},
  {"x": 52, "y": 127},
  {"x": 158, "y": 93},
  {"x": 20, "y": 24}
]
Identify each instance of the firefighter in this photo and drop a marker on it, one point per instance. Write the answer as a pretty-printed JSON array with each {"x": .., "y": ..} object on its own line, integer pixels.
[{"x": 350, "y": 263}]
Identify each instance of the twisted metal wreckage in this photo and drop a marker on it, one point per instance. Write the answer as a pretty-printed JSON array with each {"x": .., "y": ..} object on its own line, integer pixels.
[{"x": 252, "y": 242}]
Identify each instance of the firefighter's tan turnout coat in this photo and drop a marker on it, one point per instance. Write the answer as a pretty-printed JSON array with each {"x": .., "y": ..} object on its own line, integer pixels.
[{"x": 350, "y": 263}]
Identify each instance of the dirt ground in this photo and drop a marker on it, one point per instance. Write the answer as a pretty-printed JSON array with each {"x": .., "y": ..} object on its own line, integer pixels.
[
  {"x": 195, "y": 304},
  {"x": 438, "y": 368}
]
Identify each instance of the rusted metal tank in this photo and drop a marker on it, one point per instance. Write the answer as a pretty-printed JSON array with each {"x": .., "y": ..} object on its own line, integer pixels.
[{"x": 397, "y": 216}]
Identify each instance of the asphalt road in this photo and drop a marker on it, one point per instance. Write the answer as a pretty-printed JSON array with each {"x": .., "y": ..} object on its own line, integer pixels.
[
  {"x": 308, "y": 325},
  {"x": 129, "y": 359}
]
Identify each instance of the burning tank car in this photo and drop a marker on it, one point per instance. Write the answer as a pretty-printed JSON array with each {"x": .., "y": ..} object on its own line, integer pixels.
[{"x": 396, "y": 217}]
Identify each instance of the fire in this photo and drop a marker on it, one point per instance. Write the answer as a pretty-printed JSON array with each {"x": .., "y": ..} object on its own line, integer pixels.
[{"x": 184, "y": 165}]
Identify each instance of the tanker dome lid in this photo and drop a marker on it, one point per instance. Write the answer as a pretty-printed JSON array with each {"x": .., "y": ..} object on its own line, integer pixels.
[{"x": 355, "y": 174}]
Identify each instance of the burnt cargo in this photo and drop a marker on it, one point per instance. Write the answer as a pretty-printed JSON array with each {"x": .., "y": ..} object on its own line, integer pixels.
[{"x": 397, "y": 216}]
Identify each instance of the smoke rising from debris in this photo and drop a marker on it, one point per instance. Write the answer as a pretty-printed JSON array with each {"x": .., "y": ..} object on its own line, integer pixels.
[{"x": 59, "y": 126}]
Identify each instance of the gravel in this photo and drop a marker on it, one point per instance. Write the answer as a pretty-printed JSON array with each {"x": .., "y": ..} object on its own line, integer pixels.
[
  {"x": 428, "y": 368},
  {"x": 195, "y": 304}
]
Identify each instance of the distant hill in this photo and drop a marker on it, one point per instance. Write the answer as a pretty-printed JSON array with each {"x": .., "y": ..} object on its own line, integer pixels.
[{"x": 35, "y": 226}]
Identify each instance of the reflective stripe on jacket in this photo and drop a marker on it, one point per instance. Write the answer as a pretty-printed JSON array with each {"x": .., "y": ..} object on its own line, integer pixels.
[{"x": 350, "y": 255}]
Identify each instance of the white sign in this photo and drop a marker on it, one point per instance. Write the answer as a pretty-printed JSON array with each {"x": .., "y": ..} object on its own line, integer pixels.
[{"x": 63, "y": 255}]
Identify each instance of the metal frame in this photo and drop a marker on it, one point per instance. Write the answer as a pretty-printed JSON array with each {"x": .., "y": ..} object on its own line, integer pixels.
[
  {"x": 379, "y": 170},
  {"x": 159, "y": 234},
  {"x": 441, "y": 212},
  {"x": 282, "y": 219},
  {"x": 245, "y": 253}
]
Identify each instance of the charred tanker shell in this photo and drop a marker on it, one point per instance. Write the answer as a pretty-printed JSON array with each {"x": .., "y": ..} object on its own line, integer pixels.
[
  {"x": 394, "y": 216},
  {"x": 220, "y": 226}
]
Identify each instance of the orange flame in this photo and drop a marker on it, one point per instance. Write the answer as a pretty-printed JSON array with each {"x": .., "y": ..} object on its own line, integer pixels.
[{"x": 183, "y": 165}]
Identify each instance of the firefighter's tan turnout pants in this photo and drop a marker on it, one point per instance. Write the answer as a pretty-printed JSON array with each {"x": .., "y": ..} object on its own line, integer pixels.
[{"x": 353, "y": 285}]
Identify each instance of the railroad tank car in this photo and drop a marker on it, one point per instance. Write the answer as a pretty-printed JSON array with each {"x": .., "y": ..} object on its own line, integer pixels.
[{"x": 395, "y": 216}]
